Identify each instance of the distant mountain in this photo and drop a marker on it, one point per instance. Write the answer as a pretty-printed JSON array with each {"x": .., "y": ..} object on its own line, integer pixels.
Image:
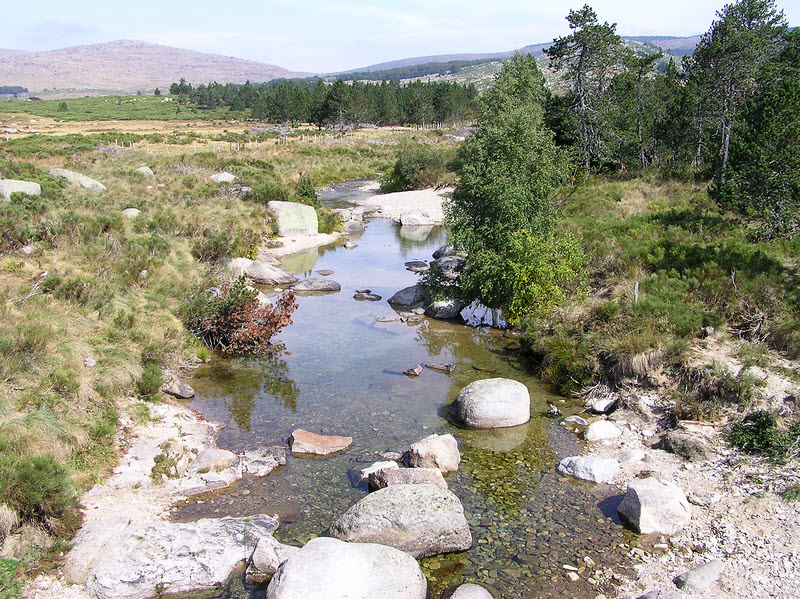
[
  {"x": 673, "y": 45},
  {"x": 126, "y": 67}
]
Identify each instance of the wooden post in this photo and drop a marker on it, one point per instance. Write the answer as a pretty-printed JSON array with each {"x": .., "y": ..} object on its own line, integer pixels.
[
  {"x": 166, "y": 147},
  {"x": 636, "y": 292},
  {"x": 195, "y": 147}
]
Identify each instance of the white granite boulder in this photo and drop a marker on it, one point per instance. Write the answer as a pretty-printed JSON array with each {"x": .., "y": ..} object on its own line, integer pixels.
[
  {"x": 492, "y": 403},
  {"x": 9, "y": 186},
  {"x": 260, "y": 272},
  {"x": 223, "y": 177},
  {"x": 602, "y": 430},
  {"x": 435, "y": 451},
  {"x": 651, "y": 506},
  {"x": 78, "y": 179},
  {"x": 332, "y": 569},
  {"x": 591, "y": 468},
  {"x": 293, "y": 218}
]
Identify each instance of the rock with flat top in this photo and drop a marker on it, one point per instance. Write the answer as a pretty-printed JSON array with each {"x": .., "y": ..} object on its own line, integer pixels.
[
  {"x": 365, "y": 473},
  {"x": 406, "y": 476},
  {"x": 332, "y": 569},
  {"x": 591, "y": 468},
  {"x": 306, "y": 443},
  {"x": 417, "y": 219},
  {"x": 602, "y": 430},
  {"x": 421, "y": 520},
  {"x": 700, "y": 578},
  {"x": 293, "y": 218},
  {"x": 223, "y": 177},
  {"x": 260, "y": 272},
  {"x": 315, "y": 284},
  {"x": 77, "y": 179}
]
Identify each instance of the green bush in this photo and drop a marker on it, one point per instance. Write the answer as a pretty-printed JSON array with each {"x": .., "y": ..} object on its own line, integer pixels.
[
  {"x": 418, "y": 166},
  {"x": 40, "y": 490},
  {"x": 758, "y": 433},
  {"x": 268, "y": 192},
  {"x": 11, "y": 578},
  {"x": 150, "y": 381}
]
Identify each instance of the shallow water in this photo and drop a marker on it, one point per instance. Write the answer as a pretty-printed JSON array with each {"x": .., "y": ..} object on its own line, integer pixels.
[{"x": 342, "y": 374}]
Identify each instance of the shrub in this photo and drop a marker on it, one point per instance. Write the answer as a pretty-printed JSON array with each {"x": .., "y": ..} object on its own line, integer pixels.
[
  {"x": 758, "y": 433},
  {"x": 267, "y": 192},
  {"x": 151, "y": 380},
  {"x": 233, "y": 321},
  {"x": 40, "y": 490},
  {"x": 417, "y": 166}
]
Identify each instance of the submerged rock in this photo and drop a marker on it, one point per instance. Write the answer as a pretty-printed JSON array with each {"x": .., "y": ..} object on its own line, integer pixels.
[
  {"x": 492, "y": 403},
  {"x": 333, "y": 569},
  {"x": 651, "y": 506},
  {"x": 421, "y": 520}
]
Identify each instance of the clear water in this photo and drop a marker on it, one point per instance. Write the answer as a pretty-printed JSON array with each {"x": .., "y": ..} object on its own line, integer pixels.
[{"x": 342, "y": 373}]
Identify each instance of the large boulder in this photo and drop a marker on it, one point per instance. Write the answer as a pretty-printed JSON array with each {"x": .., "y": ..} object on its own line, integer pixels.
[
  {"x": 9, "y": 186},
  {"x": 333, "y": 569},
  {"x": 260, "y": 272},
  {"x": 293, "y": 218},
  {"x": 435, "y": 451},
  {"x": 78, "y": 179},
  {"x": 597, "y": 470},
  {"x": 450, "y": 266},
  {"x": 146, "y": 172},
  {"x": 170, "y": 557},
  {"x": 415, "y": 232},
  {"x": 223, "y": 177},
  {"x": 387, "y": 477},
  {"x": 417, "y": 219},
  {"x": 686, "y": 444},
  {"x": 177, "y": 388},
  {"x": 444, "y": 309},
  {"x": 409, "y": 296},
  {"x": 315, "y": 284},
  {"x": 651, "y": 506},
  {"x": 444, "y": 250},
  {"x": 419, "y": 519},
  {"x": 492, "y": 403}
]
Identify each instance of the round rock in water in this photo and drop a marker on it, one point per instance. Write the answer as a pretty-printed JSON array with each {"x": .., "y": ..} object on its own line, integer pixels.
[
  {"x": 471, "y": 591},
  {"x": 492, "y": 403},
  {"x": 597, "y": 470},
  {"x": 651, "y": 506},
  {"x": 421, "y": 520},
  {"x": 332, "y": 569}
]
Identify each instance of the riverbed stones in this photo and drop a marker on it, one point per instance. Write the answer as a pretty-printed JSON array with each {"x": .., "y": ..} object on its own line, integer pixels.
[
  {"x": 330, "y": 568},
  {"x": 492, "y": 403},
  {"x": 591, "y": 468},
  {"x": 421, "y": 520},
  {"x": 602, "y": 430},
  {"x": 365, "y": 473},
  {"x": 213, "y": 460},
  {"x": 260, "y": 272},
  {"x": 471, "y": 591},
  {"x": 170, "y": 557},
  {"x": 177, "y": 388},
  {"x": 442, "y": 367},
  {"x": 318, "y": 285},
  {"x": 652, "y": 506},
  {"x": 386, "y": 477},
  {"x": 435, "y": 451},
  {"x": 700, "y": 578},
  {"x": 304, "y": 442},
  {"x": 77, "y": 179},
  {"x": 262, "y": 461},
  {"x": 577, "y": 420},
  {"x": 409, "y": 296},
  {"x": 9, "y": 186},
  {"x": 444, "y": 309},
  {"x": 293, "y": 218}
]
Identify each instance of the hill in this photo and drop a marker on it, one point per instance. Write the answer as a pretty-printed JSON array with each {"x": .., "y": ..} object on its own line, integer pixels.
[{"x": 125, "y": 66}]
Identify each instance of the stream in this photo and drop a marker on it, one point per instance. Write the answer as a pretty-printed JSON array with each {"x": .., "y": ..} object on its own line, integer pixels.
[{"x": 342, "y": 374}]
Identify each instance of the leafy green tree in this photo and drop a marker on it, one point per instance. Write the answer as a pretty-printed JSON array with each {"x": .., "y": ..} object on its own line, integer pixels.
[
  {"x": 501, "y": 212},
  {"x": 156, "y": 92},
  {"x": 62, "y": 107},
  {"x": 586, "y": 59},
  {"x": 762, "y": 175},
  {"x": 724, "y": 70}
]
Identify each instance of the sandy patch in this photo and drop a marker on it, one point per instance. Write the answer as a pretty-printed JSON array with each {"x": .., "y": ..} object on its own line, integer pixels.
[{"x": 394, "y": 205}]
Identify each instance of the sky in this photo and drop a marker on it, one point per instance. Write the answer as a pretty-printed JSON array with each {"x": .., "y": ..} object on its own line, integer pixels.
[{"x": 334, "y": 35}]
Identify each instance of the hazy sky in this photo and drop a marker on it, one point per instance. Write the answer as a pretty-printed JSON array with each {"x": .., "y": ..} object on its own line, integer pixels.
[{"x": 334, "y": 35}]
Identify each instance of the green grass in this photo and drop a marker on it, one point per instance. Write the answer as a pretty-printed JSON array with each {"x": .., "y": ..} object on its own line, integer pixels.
[
  {"x": 120, "y": 108},
  {"x": 11, "y": 578},
  {"x": 695, "y": 267}
]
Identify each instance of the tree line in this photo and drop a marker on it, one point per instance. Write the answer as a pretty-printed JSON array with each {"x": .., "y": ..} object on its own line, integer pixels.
[{"x": 339, "y": 103}]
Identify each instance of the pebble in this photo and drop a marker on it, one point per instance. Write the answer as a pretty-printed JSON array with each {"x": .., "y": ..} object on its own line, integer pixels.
[{"x": 573, "y": 577}]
